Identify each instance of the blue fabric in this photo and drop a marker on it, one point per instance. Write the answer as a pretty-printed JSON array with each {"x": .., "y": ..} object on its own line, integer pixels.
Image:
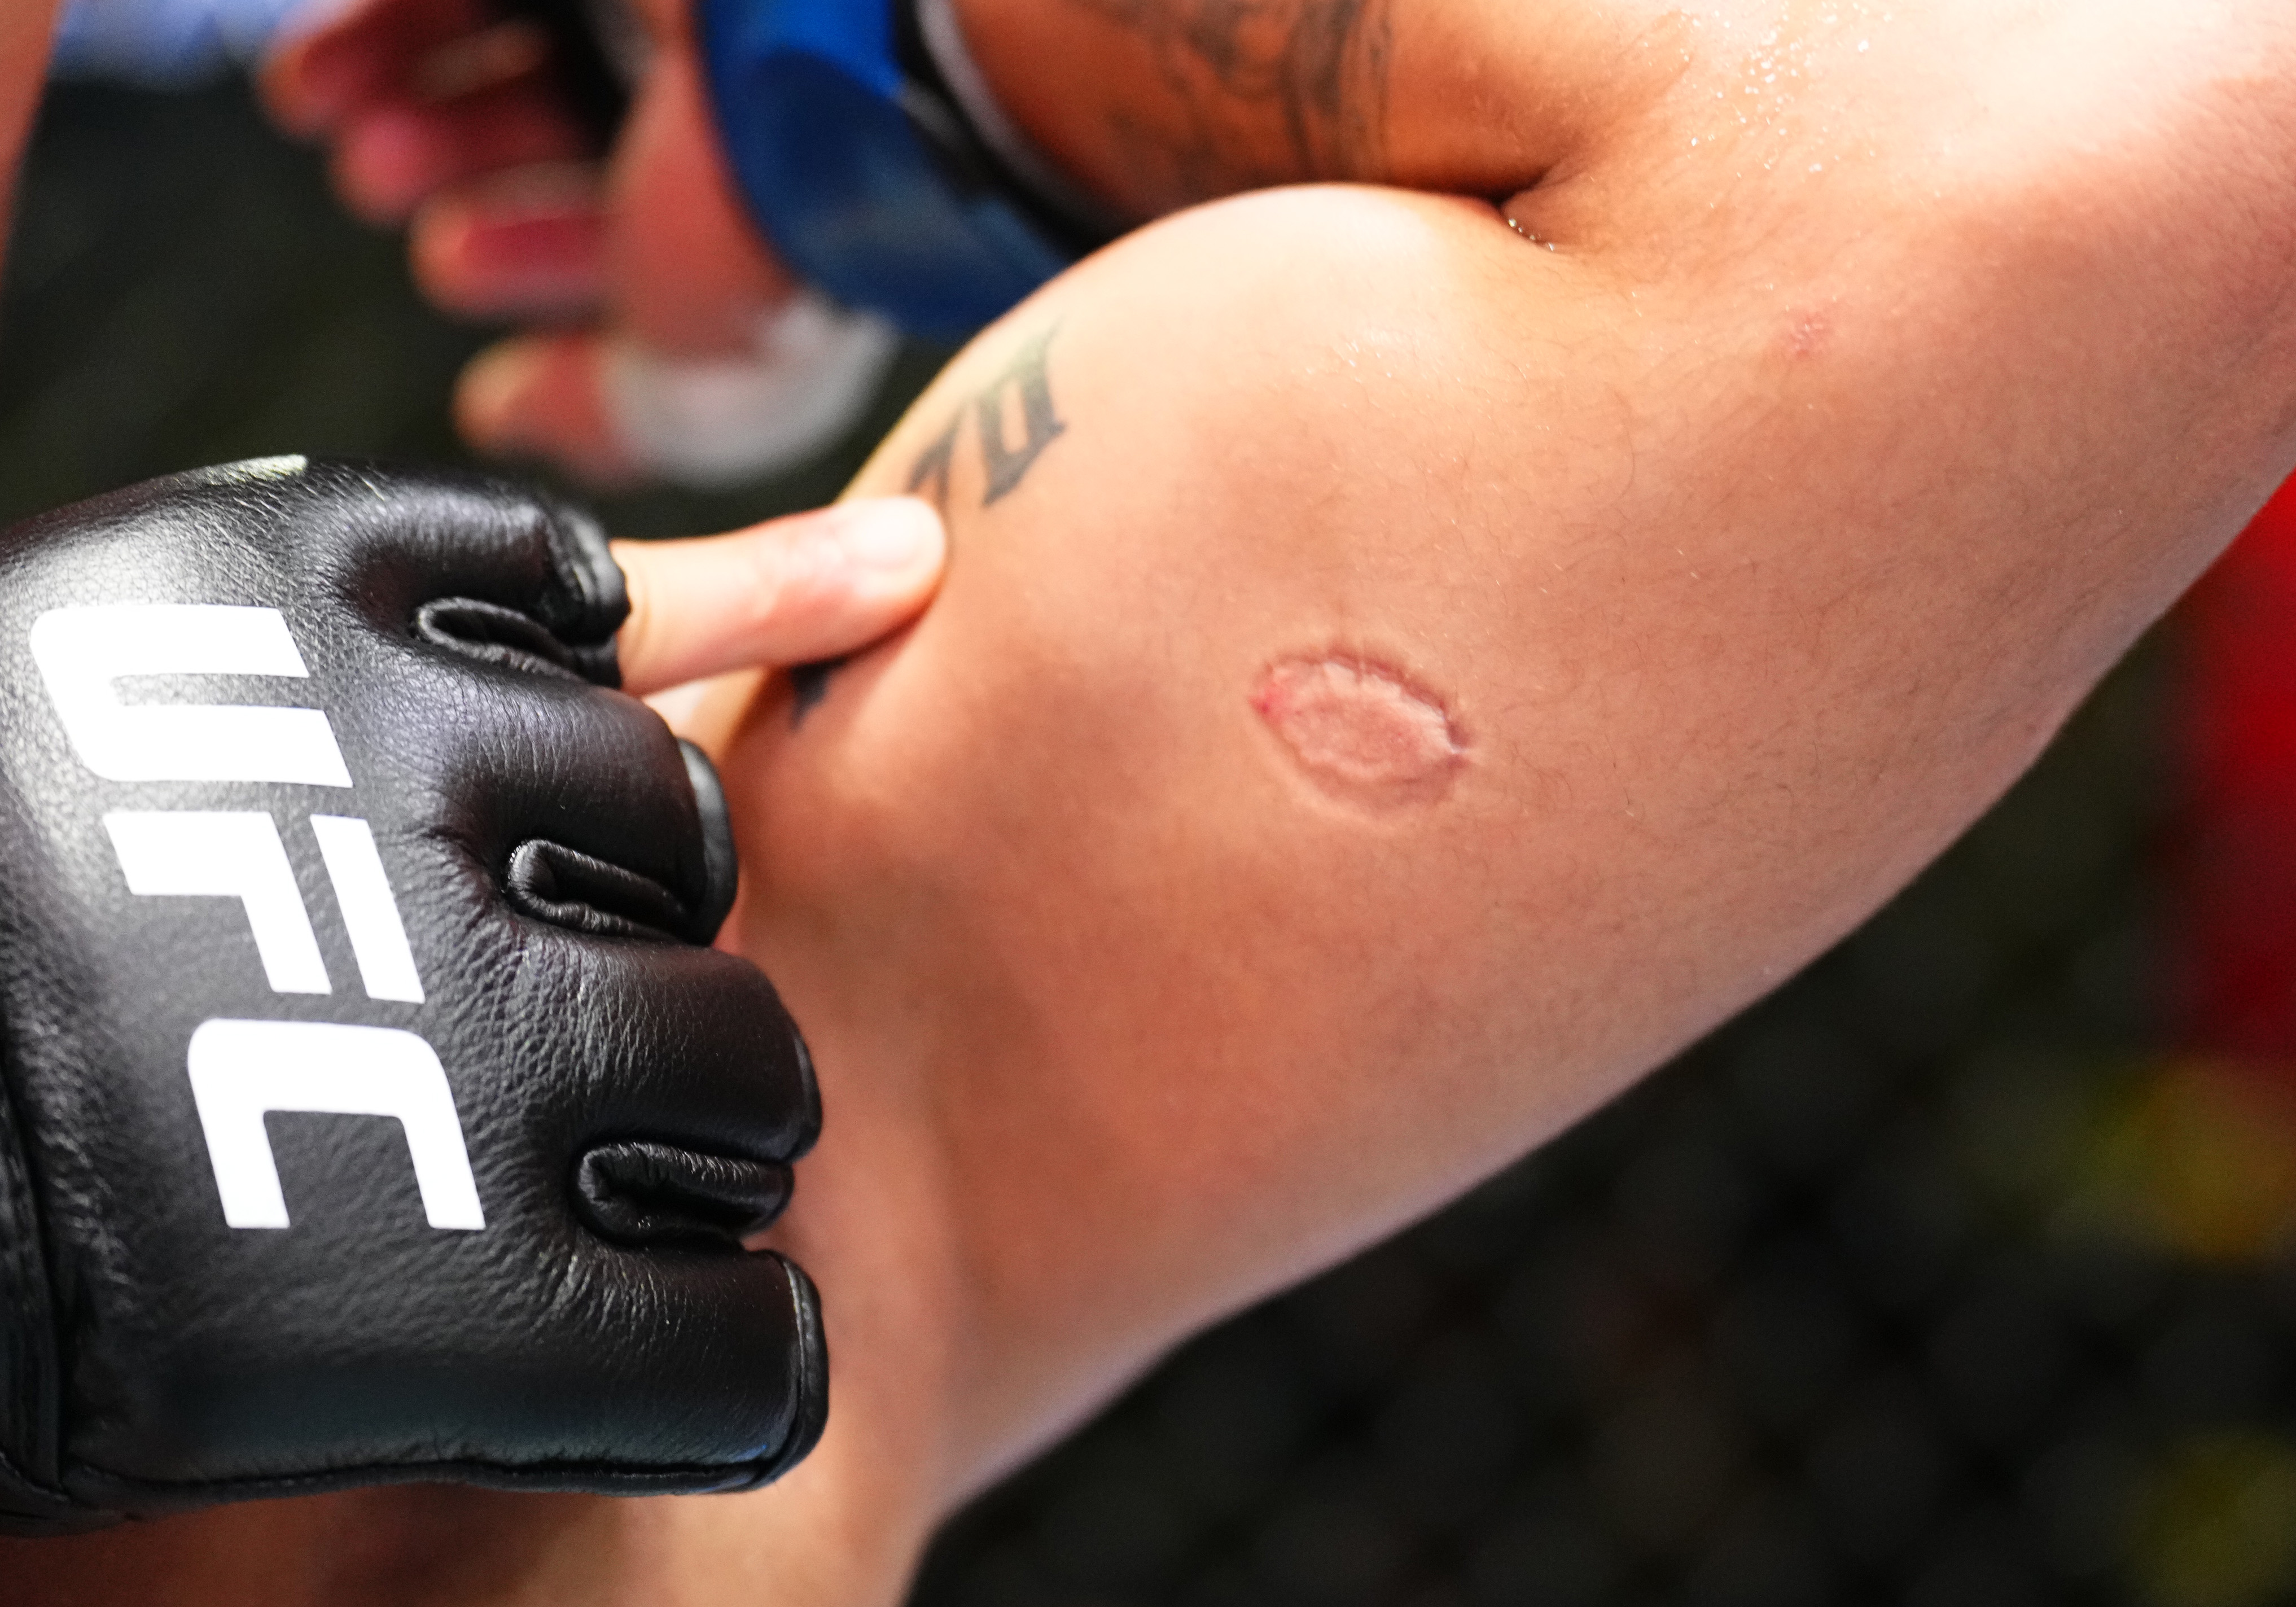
[
  {"x": 163, "y": 42},
  {"x": 809, "y": 102},
  {"x": 808, "y": 97}
]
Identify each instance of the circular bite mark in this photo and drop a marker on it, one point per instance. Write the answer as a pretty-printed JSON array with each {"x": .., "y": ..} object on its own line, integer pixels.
[{"x": 1360, "y": 730}]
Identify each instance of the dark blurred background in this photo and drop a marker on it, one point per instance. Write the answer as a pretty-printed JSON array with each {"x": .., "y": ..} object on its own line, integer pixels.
[{"x": 1950, "y": 1277}]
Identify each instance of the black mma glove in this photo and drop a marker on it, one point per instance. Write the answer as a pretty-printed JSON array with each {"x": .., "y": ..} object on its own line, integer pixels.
[{"x": 371, "y": 1104}]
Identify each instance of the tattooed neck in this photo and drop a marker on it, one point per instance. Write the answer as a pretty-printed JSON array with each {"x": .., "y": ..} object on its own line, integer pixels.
[{"x": 1260, "y": 92}]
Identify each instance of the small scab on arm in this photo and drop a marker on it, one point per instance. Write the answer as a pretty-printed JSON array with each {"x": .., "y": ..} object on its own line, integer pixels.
[{"x": 1360, "y": 731}]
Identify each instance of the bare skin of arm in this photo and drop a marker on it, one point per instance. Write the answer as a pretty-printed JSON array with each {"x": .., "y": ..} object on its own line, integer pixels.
[
  {"x": 1421, "y": 679},
  {"x": 1396, "y": 682}
]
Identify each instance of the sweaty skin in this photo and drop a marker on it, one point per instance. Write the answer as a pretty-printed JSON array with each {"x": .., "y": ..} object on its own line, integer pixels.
[{"x": 1801, "y": 411}]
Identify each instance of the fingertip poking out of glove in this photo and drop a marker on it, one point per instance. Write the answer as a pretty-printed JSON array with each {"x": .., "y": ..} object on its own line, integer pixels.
[{"x": 372, "y": 1106}]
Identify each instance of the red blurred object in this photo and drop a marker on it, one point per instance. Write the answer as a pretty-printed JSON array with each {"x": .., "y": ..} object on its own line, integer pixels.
[{"x": 2234, "y": 882}]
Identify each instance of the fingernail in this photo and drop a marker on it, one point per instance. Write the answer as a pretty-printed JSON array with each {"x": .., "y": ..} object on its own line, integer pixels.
[{"x": 888, "y": 533}]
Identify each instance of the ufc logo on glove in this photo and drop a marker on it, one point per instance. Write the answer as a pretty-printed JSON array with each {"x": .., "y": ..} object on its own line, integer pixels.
[
  {"x": 317, "y": 801},
  {"x": 241, "y": 1070}
]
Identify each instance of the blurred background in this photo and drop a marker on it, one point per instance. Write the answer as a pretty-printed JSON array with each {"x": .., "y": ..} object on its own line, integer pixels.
[{"x": 1957, "y": 1275}]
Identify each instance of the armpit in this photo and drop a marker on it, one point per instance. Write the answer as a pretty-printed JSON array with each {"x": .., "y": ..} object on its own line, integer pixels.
[{"x": 1362, "y": 731}]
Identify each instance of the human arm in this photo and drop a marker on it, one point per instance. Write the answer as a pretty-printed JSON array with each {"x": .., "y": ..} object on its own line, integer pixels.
[
  {"x": 1749, "y": 555},
  {"x": 1752, "y": 554},
  {"x": 1753, "y": 537}
]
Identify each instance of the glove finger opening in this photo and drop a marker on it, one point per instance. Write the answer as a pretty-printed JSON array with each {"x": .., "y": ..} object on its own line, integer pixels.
[
  {"x": 494, "y": 634},
  {"x": 642, "y": 1193},
  {"x": 568, "y": 887}
]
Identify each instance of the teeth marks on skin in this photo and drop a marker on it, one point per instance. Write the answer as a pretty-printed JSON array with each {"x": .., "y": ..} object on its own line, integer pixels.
[{"x": 1360, "y": 729}]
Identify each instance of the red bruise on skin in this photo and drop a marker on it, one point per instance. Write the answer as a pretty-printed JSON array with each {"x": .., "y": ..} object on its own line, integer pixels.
[{"x": 1360, "y": 729}]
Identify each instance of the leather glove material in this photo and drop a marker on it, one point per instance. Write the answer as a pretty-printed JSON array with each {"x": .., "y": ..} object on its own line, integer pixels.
[{"x": 372, "y": 1105}]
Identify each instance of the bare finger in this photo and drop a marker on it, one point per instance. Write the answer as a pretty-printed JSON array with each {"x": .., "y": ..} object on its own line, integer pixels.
[{"x": 793, "y": 591}]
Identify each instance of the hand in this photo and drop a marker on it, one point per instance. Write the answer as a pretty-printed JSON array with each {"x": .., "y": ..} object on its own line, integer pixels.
[
  {"x": 448, "y": 878},
  {"x": 802, "y": 590},
  {"x": 668, "y": 340},
  {"x": 813, "y": 584}
]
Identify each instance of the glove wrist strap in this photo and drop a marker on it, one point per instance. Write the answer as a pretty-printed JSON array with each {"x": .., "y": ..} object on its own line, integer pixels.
[{"x": 875, "y": 159}]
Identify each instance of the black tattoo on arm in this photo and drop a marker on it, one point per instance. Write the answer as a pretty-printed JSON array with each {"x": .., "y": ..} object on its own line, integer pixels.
[
  {"x": 808, "y": 685},
  {"x": 1021, "y": 396},
  {"x": 1029, "y": 382},
  {"x": 1267, "y": 92},
  {"x": 934, "y": 463}
]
